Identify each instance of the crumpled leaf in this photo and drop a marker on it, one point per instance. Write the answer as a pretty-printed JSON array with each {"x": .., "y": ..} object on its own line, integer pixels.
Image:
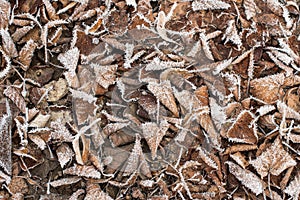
[
  {"x": 248, "y": 179},
  {"x": 274, "y": 160},
  {"x": 95, "y": 192},
  {"x": 64, "y": 181}
]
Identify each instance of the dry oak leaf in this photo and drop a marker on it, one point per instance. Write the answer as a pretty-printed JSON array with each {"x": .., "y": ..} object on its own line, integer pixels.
[
  {"x": 267, "y": 88},
  {"x": 274, "y": 160},
  {"x": 248, "y": 179},
  {"x": 163, "y": 91},
  {"x": 84, "y": 171},
  {"x": 293, "y": 189},
  {"x": 154, "y": 134},
  {"x": 137, "y": 160},
  {"x": 242, "y": 130}
]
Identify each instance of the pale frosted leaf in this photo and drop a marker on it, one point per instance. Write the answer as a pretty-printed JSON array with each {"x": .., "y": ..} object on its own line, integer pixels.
[
  {"x": 206, "y": 47},
  {"x": 136, "y": 161},
  {"x": 57, "y": 89},
  {"x": 293, "y": 188},
  {"x": 64, "y": 181},
  {"x": 105, "y": 75},
  {"x": 84, "y": 171},
  {"x": 39, "y": 121},
  {"x": 5, "y": 14},
  {"x": 157, "y": 64},
  {"x": 38, "y": 141},
  {"x": 131, "y": 3},
  {"x": 247, "y": 178},
  {"x": 250, "y": 9},
  {"x": 217, "y": 113},
  {"x": 64, "y": 154},
  {"x": 209, "y": 5},
  {"x": 60, "y": 133},
  {"x": 163, "y": 91},
  {"x": 231, "y": 34},
  {"x": 267, "y": 88},
  {"x": 50, "y": 10},
  {"x": 240, "y": 159},
  {"x": 154, "y": 134},
  {"x": 26, "y": 54},
  {"x": 5, "y": 143},
  {"x": 113, "y": 127},
  {"x": 274, "y": 160},
  {"x": 69, "y": 59},
  {"x": 14, "y": 94},
  {"x": 8, "y": 44}
]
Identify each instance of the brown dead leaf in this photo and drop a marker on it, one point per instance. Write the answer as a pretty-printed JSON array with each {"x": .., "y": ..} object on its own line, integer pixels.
[
  {"x": 64, "y": 154},
  {"x": 84, "y": 171}
]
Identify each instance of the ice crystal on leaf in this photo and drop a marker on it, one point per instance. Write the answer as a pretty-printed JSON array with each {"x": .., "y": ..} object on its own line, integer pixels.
[
  {"x": 293, "y": 189},
  {"x": 5, "y": 141}
]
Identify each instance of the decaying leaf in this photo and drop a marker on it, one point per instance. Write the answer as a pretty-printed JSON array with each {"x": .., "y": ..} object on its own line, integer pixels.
[
  {"x": 95, "y": 192},
  {"x": 274, "y": 160},
  {"x": 247, "y": 178}
]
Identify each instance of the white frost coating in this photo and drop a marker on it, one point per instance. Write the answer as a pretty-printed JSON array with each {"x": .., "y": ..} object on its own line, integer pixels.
[
  {"x": 69, "y": 59},
  {"x": 231, "y": 34},
  {"x": 217, "y": 113},
  {"x": 265, "y": 109},
  {"x": 223, "y": 65},
  {"x": 293, "y": 189},
  {"x": 82, "y": 95},
  {"x": 209, "y": 5}
]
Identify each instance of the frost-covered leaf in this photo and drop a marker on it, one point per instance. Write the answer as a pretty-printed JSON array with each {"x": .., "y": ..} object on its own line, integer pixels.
[
  {"x": 293, "y": 188},
  {"x": 267, "y": 88},
  {"x": 57, "y": 89},
  {"x": 5, "y": 143},
  {"x": 65, "y": 181},
  {"x": 69, "y": 59},
  {"x": 242, "y": 130},
  {"x": 5, "y": 14},
  {"x": 247, "y": 178},
  {"x": 64, "y": 154},
  {"x": 26, "y": 54},
  {"x": 154, "y": 134},
  {"x": 206, "y": 158},
  {"x": 94, "y": 192},
  {"x": 274, "y": 160},
  {"x": 8, "y": 44},
  {"x": 209, "y": 5},
  {"x": 59, "y": 132},
  {"x": 14, "y": 94},
  {"x": 250, "y": 9},
  {"x": 231, "y": 34},
  {"x": 105, "y": 75},
  {"x": 84, "y": 171},
  {"x": 84, "y": 105},
  {"x": 287, "y": 111},
  {"x": 136, "y": 161},
  {"x": 163, "y": 91}
]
